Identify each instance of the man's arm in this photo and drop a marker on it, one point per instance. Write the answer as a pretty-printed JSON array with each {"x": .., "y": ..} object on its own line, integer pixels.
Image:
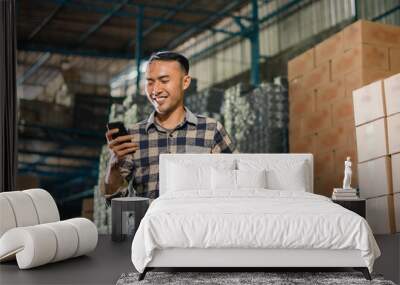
[
  {"x": 120, "y": 165},
  {"x": 113, "y": 180},
  {"x": 222, "y": 141}
]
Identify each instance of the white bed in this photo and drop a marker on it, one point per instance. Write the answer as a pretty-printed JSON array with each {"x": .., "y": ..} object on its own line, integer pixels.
[{"x": 250, "y": 226}]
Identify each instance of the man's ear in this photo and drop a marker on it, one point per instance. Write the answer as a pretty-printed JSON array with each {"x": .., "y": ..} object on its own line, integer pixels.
[{"x": 186, "y": 81}]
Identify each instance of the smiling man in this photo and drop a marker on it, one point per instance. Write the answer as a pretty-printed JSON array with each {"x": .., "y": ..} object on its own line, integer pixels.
[{"x": 170, "y": 128}]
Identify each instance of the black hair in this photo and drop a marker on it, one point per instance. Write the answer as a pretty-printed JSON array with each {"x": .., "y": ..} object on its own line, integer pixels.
[{"x": 171, "y": 56}]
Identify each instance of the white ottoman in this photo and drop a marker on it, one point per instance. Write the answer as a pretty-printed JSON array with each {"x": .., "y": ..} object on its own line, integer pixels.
[{"x": 31, "y": 232}]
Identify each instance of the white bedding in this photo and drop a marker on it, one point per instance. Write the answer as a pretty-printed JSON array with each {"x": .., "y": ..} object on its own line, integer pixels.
[{"x": 250, "y": 218}]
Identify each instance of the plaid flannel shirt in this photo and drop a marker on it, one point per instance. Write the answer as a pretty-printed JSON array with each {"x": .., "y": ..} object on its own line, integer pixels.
[{"x": 196, "y": 134}]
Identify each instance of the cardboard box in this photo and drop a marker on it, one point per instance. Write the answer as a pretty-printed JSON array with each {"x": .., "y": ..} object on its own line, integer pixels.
[
  {"x": 303, "y": 145},
  {"x": 330, "y": 93},
  {"x": 393, "y": 125},
  {"x": 302, "y": 105},
  {"x": 324, "y": 164},
  {"x": 334, "y": 138},
  {"x": 88, "y": 215},
  {"x": 396, "y": 172},
  {"x": 361, "y": 77},
  {"x": 317, "y": 77},
  {"x": 369, "y": 103},
  {"x": 294, "y": 129},
  {"x": 324, "y": 184},
  {"x": 375, "y": 56},
  {"x": 371, "y": 33},
  {"x": 295, "y": 88},
  {"x": 342, "y": 111},
  {"x": 372, "y": 140},
  {"x": 360, "y": 54},
  {"x": 346, "y": 62},
  {"x": 301, "y": 64},
  {"x": 24, "y": 182},
  {"x": 328, "y": 49},
  {"x": 380, "y": 214},
  {"x": 87, "y": 208},
  {"x": 394, "y": 59},
  {"x": 87, "y": 205},
  {"x": 375, "y": 178},
  {"x": 396, "y": 198},
  {"x": 392, "y": 94},
  {"x": 317, "y": 121}
]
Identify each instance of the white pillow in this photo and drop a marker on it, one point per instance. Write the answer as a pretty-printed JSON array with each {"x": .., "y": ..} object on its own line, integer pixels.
[
  {"x": 226, "y": 179},
  {"x": 183, "y": 177},
  {"x": 251, "y": 178},
  {"x": 184, "y": 174},
  {"x": 281, "y": 174},
  {"x": 222, "y": 163},
  {"x": 223, "y": 179}
]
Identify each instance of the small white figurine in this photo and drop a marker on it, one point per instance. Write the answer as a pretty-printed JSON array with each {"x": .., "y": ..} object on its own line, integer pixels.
[{"x": 347, "y": 174}]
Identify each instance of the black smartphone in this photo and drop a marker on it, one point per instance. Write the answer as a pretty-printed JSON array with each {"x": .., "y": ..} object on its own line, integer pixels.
[{"x": 121, "y": 129}]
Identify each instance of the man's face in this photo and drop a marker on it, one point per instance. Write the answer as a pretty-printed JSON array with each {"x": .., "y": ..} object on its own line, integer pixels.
[{"x": 165, "y": 83}]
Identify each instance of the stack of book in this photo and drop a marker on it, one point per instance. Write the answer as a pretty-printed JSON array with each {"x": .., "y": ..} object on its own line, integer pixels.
[{"x": 344, "y": 194}]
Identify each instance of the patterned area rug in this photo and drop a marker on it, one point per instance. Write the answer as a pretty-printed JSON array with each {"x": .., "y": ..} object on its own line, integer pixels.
[{"x": 230, "y": 278}]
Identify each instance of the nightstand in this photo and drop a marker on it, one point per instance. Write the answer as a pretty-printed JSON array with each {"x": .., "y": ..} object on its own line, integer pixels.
[
  {"x": 126, "y": 215},
  {"x": 356, "y": 205}
]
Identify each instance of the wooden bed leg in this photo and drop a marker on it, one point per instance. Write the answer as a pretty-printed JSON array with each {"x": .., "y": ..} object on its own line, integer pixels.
[
  {"x": 143, "y": 274},
  {"x": 364, "y": 271}
]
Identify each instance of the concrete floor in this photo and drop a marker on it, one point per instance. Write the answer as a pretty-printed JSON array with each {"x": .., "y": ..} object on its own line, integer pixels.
[
  {"x": 110, "y": 259},
  {"x": 388, "y": 263},
  {"x": 102, "y": 266}
]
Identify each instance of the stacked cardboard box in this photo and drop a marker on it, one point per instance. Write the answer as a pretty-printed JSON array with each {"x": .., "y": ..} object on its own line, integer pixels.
[
  {"x": 377, "y": 121},
  {"x": 321, "y": 82},
  {"x": 87, "y": 208},
  {"x": 27, "y": 181}
]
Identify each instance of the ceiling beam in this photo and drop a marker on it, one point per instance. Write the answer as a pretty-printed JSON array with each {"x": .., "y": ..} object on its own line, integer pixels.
[
  {"x": 76, "y": 52},
  {"x": 167, "y": 16},
  {"x": 31, "y": 70},
  {"x": 198, "y": 26},
  {"x": 102, "y": 21},
  {"x": 270, "y": 16},
  {"x": 387, "y": 13},
  {"x": 90, "y": 8},
  {"x": 47, "y": 20},
  {"x": 194, "y": 11}
]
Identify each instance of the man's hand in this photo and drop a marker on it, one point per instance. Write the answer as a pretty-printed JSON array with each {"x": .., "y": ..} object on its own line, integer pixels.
[{"x": 122, "y": 145}]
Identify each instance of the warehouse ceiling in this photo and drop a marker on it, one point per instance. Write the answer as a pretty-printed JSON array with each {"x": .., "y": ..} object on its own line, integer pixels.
[
  {"x": 108, "y": 28},
  {"x": 56, "y": 63}
]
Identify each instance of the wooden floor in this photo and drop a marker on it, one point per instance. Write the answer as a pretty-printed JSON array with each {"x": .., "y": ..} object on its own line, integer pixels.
[
  {"x": 102, "y": 266},
  {"x": 110, "y": 259}
]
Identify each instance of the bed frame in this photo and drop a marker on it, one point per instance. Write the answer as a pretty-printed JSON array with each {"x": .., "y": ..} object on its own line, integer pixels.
[
  {"x": 246, "y": 257},
  {"x": 242, "y": 259}
]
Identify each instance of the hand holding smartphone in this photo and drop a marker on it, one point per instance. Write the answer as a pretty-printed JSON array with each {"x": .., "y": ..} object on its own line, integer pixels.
[
  {"x": 121, "y": 129},
  {"x": 119, "y": 140}
]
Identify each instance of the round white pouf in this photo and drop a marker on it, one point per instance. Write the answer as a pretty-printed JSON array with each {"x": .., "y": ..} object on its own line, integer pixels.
[
  {"x": 7, "y": 218},
  {"x": 45, "y": 205},
  {"x": 33, "y": 246},
  {"x": 87, "y": 234},
  {"x": 67, "y": 240},
  {"x": 23, "y": 208}
]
